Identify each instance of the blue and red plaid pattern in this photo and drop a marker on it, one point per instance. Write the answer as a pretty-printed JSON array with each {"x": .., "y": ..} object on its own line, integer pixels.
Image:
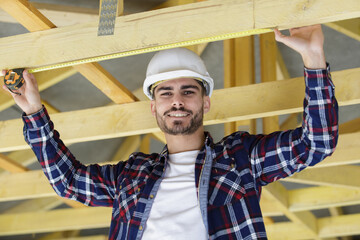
[{"x": 240, "y": 164}]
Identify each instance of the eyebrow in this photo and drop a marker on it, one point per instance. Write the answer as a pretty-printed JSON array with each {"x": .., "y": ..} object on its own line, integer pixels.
[
  {"x": 157, "y": 89},
  {"x": 190, "y": 86}
]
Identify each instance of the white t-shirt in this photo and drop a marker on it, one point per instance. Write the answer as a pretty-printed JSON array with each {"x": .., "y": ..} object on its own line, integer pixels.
[{"x": 175, "y": 214}]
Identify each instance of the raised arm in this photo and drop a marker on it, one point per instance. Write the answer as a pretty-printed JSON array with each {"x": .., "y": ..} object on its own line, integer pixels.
[
  {"x": 92, "y": 185},
  {"x": 281, "y": 154}
]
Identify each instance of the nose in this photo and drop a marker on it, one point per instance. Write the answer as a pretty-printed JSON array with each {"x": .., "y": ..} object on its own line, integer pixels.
[{"x": 177, "y": 101}]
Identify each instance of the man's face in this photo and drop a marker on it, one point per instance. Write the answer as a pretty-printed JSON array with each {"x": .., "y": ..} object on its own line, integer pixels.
[{"x": 179, "y": 106}]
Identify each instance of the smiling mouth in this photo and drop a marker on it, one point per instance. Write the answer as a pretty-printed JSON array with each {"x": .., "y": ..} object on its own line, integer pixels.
[{"x": 178, "y": 114}]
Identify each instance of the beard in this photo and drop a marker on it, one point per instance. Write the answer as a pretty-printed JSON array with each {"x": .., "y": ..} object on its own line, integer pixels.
[{"x": 178, "y": 127}]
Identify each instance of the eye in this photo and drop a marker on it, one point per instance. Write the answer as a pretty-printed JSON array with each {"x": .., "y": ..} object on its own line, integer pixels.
[
  {"x": 188, "y": 92},
  {"x": 165, "y": 94}
]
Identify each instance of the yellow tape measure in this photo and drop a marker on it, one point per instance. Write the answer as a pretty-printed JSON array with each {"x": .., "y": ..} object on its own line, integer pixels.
[{"x": 152, "y": 49}]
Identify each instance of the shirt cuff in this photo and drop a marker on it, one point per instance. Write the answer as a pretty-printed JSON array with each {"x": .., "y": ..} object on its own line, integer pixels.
[
  {"x": 315, "y": 78},
  {"x": 36, "y": 120}
]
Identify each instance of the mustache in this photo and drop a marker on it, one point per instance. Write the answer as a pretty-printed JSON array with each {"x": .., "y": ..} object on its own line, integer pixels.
[{"x": 174, "y": 109}]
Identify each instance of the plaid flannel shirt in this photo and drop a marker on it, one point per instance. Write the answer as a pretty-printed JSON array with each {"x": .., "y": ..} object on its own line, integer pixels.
[{"x": 229, "y": 174}]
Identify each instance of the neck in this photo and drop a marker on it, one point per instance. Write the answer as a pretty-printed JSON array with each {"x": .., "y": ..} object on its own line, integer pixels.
[{"x": 183, "y": 143}]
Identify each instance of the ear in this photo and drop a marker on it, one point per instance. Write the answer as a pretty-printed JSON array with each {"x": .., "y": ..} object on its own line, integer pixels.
[
  {"x": 153, "y": 107},
  {"x": 206, "y": 104}
]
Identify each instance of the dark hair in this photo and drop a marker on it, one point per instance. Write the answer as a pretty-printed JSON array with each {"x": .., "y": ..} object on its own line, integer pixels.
[{"x": 203, "y": 89}]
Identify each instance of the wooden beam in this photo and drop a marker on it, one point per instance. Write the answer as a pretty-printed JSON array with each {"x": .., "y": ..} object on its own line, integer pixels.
[
  {"x": 35, "y": 205},
  {"x": 60, "y": 15},
  {"x": 340, "y": 176},
  {"x": 328, "y": 227},
  {"x": 278, "y": 193},
  {"x": 337, "y": 211},
  {"x": 127, "y": 147},
  {"x": 287, "y": 230},
  {"x": 49, "y": 107},
  {"x": 160, "y": 136},
  {"x": 23, "y": 158},
  {"x": 350, "y": 27},
  {"x": 203, "y": 19},
  {"x": 229, "y": 76},
  {"x": 270, "y": 208},
  {"x": 96, "y": 237},
  {"x": 239, "y": 70},
  {"x": 279, "y": 97},
  {"x": 57, "y": 220},
  {"x": 9, "y": 165},
  {"x": 26, "y": 181},
  {"x": 347, "y": 151},
  {"x": 171, "y": 3},
  {"x": 145, "y": 144},
  {"x": 281, "y": 69},
  {"x": 268, "y": 52},
  {"x": 297, "y": 199},
  {"x": 290, "y": 122},
  {"x": 198, "y": 48},
  {"x": 107, "y": 83},
  {"x": 74, "y": 219},
  {"x": 314, "y": 198},
  {"x": 345, "y": 225},
  {"x": 350, "y": 126},
  {"x": 120, "y": 8},
  {"x": 61, "y": 235},
  {"x": 32, "y": 184},
  {"x": 34, "y": 21},
  {"x": 27, "y": 15}
]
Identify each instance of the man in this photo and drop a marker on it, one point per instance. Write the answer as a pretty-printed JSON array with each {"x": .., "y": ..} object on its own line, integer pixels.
[{"x": 193, "y": 189}]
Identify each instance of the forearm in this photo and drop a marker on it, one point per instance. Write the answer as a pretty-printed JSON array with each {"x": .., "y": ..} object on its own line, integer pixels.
[
  {"x": 320, "y": 117},
  {"x": 68, "y": 177},
  {"x": 281, "y": 154},
  {"x": 314, "y": 59}
]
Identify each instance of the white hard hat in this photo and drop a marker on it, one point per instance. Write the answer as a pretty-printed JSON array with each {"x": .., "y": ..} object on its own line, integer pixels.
[{"x": 176, "y": 63}]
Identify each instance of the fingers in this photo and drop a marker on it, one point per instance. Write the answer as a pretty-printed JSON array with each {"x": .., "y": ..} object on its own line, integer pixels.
[
  {"x": 7, "y": 90},
  {"x": 30, "y": 78},
  {"x": 279, "y": 36}
]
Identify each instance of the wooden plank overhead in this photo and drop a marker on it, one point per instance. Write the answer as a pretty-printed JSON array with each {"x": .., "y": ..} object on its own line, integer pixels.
[
  {"x": 279, "y": 97},
  {"x": 26, "y": 14},
  {"x": 198, "y": 20}
]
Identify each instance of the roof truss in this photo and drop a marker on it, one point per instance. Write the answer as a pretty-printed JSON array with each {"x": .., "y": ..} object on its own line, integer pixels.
[{"x": 295, "y": 204}]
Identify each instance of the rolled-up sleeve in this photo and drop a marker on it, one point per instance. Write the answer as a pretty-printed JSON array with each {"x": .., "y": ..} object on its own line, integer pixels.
[{"x": 281, "y": 154}]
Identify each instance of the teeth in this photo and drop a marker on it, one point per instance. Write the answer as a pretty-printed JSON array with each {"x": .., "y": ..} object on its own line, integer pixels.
[{"x": 178, "y": 115}]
